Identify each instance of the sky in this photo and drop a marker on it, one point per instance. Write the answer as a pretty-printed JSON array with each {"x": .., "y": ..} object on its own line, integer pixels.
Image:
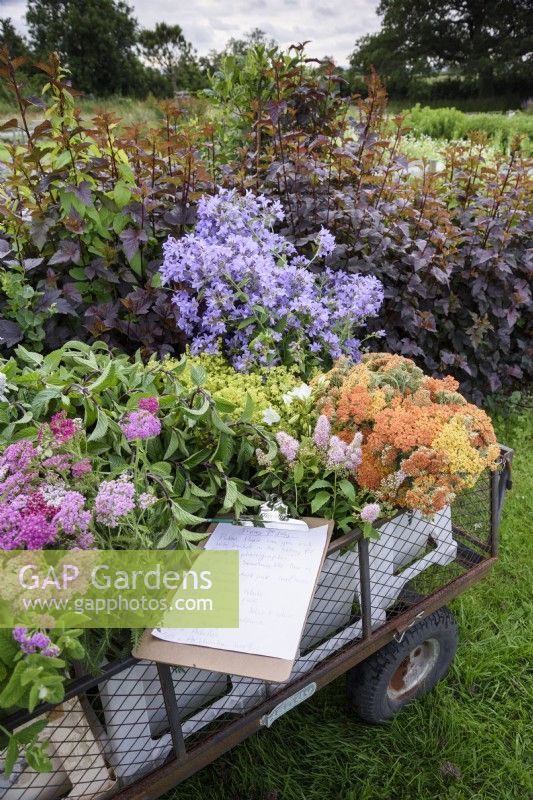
[{"x": 332, "y": 25}]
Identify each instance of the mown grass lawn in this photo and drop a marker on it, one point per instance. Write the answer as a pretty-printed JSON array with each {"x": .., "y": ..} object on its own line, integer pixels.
[{"x": 467, "y": 740}]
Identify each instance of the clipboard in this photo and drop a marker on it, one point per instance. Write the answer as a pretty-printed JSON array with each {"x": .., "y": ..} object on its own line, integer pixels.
[{"x": 231, "y": 662}]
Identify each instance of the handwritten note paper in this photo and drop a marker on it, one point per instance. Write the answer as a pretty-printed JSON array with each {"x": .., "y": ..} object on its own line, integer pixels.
[{"x": 278, "y": 571}]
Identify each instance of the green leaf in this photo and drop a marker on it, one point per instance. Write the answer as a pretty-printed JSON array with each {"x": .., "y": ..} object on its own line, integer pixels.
[
  {"x": 320, "y": 484},
  {"x": 121, "y": 194},
  {"x": 172, "y": 535},
  {"x": 249, "y": 408},
  {"x": 197, "y": 491},
  {"x": 8, "y": 647},
  {"x": 230, "y": 498},
  {"x": 42, "y": 399},
  {"x": 298, "y": 472},
  {"x": 11, "y": 756},
  {"x": 105, "y": 380},
  {"x": 226, "y": 406},
  {"x": 100, "y": 429},
  {"x": 246, "y": 452},
  {"x": 172, "y": 445},
  {"x": 31, "y": 732},
  {"x": 161, "y": 468},
  {"x": 348, "y": 490},
  {"x": 319, "y": 500},
  {"x": 74, "y": 648},
  {"x": 37, "y": 758},
  {"x": 224, "y": 451},
  {"x": 248, "y": 501},
  {"x": 192, "y": 536},
  {"x": 219, "y": 423},
  {"x": 369, "y": 532},
  {"x": 197, "y": 458},
  {"x": 14, "y": 689},
  {"x": 197, "y": 412},
  {"x": 198, "y": 375},
  {"x": 183, "y": 517}
]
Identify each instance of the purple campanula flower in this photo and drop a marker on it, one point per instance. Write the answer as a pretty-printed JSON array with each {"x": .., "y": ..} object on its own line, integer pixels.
[
  {"x": 326, "y": 242},
  {"x": 234, "y": 269}
]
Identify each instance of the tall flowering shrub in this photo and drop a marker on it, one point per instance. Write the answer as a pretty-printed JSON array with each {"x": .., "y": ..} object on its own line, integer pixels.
[
  {"x": 421, "y": 441},
  {"x": 243, "y": 289}
]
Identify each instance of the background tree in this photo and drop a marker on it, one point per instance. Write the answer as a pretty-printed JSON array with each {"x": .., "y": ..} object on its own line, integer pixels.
[
  {"x": 166, "y": 49},
  {"x": 95, "y": 38},
  {"x": 489, "y": 42},
  {"x": 11, "y": 39},
  {"x": 238, "y": 48}
]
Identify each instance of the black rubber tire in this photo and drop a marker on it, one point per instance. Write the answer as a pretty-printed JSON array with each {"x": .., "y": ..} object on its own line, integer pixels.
[{"x": 368, "y": 682}]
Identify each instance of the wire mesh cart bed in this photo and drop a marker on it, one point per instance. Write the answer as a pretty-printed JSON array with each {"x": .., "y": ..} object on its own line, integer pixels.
[{"x": 379, "y": 615}]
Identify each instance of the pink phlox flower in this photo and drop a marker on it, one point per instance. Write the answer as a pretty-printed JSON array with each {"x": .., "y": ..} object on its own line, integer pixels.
[
  {"x": 72, "y": 515},
  {"x": 322, "y": 432},
  {"x": 115, "y": 499},
  {"x": 63, "y": 428},
  {"x": 59, "y": 462},
  {"x": 370, "y": 512},
  {"x": 288, "y": 446},
  {"x": 150, "y": 404},
  {"x": 17, "y": 456},
  {"x": 140, "y": 425},
  {"x": 81, "y": 468}
]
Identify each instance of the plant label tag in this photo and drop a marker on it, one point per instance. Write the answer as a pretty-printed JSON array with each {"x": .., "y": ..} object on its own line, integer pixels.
[{"x": 287, "y": 705}]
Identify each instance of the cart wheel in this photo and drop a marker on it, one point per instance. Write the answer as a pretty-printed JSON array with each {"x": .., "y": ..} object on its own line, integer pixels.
[{"x": 402, "y": 671}]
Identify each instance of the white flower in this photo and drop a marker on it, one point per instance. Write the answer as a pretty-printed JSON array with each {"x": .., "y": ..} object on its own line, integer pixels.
[
  {"x": 54, "y": 493},
  {"x": 145, "y": 500},
  {"x": 301, "y": 392},
  {"x": 270, "y": 416}
]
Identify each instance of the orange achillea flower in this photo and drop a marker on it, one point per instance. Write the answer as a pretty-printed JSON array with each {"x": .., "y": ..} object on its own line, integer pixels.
[
  {"x": 424, "y": 461},
  {"x": 407, "y": 427},
  {"x": 436, "y": 385},
  {"x": 427, "y": 495},
  {"x": 354, "y": 405},
  {"x": 371, "y": 471}
]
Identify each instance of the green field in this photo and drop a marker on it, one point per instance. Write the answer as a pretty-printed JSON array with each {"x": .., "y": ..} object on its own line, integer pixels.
[
  {"x": 467, "y": 740},
  {"x": 129, "y": 110}
]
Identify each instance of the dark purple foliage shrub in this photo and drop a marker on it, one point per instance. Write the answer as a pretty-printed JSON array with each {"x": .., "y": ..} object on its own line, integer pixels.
[{"x": 85, "y": 208}]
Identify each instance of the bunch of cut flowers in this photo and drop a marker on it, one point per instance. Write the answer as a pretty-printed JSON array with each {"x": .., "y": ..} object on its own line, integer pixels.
[
  {"x": 421, "y": 442},
  {"x": 244, "y": 290}
]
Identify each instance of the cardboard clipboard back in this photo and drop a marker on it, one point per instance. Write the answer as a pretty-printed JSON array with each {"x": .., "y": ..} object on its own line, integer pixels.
[{"x": 230, "y": 662}]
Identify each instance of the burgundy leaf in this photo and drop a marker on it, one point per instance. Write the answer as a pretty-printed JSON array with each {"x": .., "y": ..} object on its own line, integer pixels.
[
  {"x": 68, "y": 253},
  {"x": 131, "y": 241}
]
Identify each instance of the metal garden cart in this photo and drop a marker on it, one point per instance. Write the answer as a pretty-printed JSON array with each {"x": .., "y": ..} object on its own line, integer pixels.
[{"x": 379, "y": 615}]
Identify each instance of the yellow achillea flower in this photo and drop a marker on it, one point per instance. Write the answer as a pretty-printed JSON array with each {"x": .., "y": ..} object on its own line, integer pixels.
[{"x": 454, "y": 441}]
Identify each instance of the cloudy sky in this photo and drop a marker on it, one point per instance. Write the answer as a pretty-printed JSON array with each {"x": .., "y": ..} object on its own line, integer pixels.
[{"x": 331, "y": 25}]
